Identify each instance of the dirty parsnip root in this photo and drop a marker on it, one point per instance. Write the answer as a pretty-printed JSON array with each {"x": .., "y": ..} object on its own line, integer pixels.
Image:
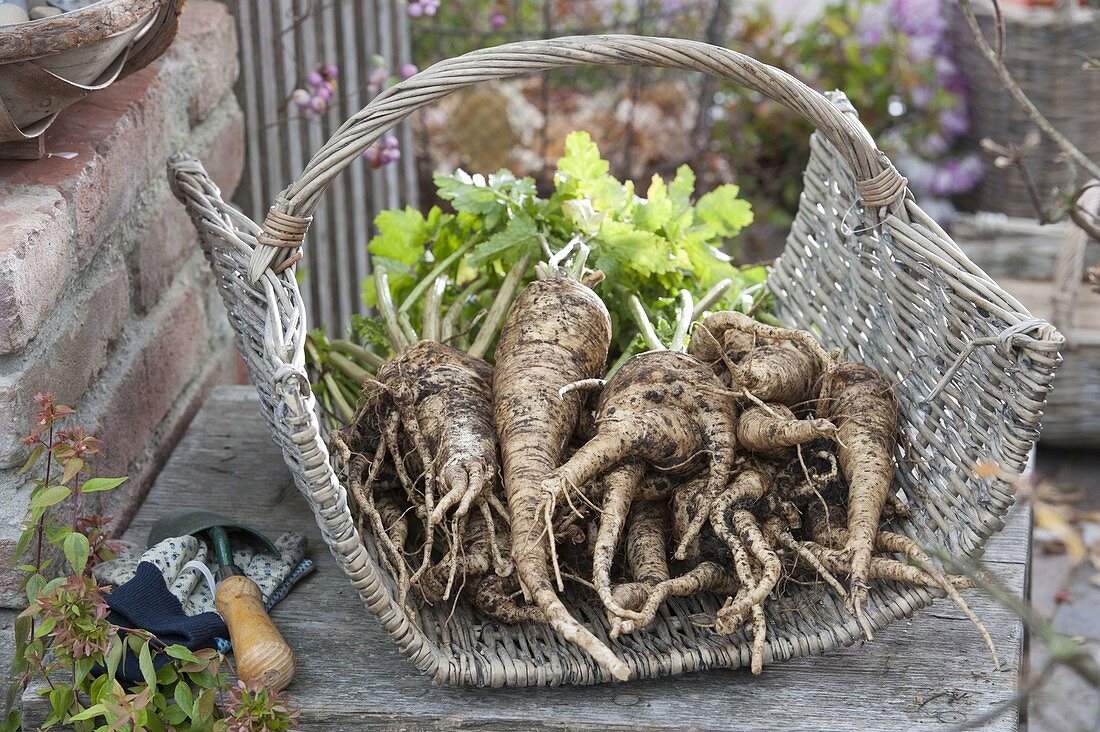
[
  {"x": 558, "y": 331},
  {"x": 737, "y": 461}
]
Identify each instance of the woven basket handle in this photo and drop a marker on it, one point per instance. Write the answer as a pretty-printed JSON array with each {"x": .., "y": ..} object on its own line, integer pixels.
[{"x": 879, "y": 182}]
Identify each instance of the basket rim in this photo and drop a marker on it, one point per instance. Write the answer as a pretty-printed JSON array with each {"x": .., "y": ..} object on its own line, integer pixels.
[{"x": 67, "y": 31}]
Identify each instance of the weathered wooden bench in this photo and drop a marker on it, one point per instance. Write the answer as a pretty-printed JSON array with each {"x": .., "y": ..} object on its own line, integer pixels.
[{"x": 930, "y": 672}]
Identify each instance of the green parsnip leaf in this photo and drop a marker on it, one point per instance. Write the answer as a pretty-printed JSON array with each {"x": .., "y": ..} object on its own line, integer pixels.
[
  {"x": 402, "y": 235},
  {"x": 724, "y": 211},
  {"x": 518, "y": 237},
  {"x": 581, "y": 166}
]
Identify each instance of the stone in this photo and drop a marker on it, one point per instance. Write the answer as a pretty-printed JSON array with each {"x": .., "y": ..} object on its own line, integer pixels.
[
  {"x": 44, "y": 11},
  {"x": 10, "y": 14}
]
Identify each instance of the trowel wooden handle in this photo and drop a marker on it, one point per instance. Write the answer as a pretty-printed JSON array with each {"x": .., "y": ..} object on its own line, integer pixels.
[{"x": 262, "y": 655}]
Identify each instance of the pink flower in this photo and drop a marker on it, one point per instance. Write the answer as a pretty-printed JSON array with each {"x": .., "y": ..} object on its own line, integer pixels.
[{"x": 377, "y": 78}]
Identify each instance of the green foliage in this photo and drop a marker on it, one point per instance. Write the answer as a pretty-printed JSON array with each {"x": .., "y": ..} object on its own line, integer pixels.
[
  {"x": 252, "y": 707},
  {"x": 765, "y": 146},
  {"x": 64, "y": 637},
  {"x": 651, "y": 247}
]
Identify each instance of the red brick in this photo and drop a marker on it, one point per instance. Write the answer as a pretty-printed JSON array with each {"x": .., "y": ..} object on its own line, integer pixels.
[
  {"x": 33, "y": 263},
  {"x": 69, "y": 364},
  {"x": 167, "y": 359},
  {"x": 219, "y": 144},
  {"x": 122, "y": 505},
  {"x": 122, "y": 135},
  {"x": 207, "y": 43},
  {"x": 161, "y": 250},
  {"x": 117, "y": 134}
]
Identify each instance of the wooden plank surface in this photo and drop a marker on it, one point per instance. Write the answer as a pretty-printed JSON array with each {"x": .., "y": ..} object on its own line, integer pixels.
[{"x": 931, "y": 672}]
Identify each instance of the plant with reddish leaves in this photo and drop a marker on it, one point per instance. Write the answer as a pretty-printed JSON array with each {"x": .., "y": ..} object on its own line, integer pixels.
[
  {"x": 64, "y": 638},
  {"x": 252, "y": 707}
]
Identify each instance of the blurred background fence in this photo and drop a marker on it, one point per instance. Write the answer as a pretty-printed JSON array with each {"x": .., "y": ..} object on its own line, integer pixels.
[
  {"x": 645, "y": 120},
  {"x": 281, "y": 42}
]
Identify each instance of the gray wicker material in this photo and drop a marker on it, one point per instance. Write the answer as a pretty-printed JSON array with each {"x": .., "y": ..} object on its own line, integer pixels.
[
  {"x": 898, "y": 294},
  {"x": 1044, "y": 50},
  {"x": 1073, "y": 417}
]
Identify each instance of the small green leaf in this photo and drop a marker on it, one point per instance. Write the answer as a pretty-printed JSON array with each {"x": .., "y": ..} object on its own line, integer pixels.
[
  {"x": 13, "y": 722},
  {"x": 682, "y": 187},
  {"x": 72, "y": 467},
  {"x": 145, "y": 662},
  {"x": 50, "y": 496},
  {"x": 77, "y": 549},
  {"x": 36, "y": 583},
  {"x": 581, "y": 161},
  {"x": 176, "y": 715},
  {"x": 45, "y": 627},
  {"x": 184, "y": 698},
  {"x": 56, "y": 534},
  {"x": 95, "y": 485},
  {"x": 22, "y": 630},
  {"x": 519, "y": 237},
  {"x": 114, "y": 656},
  {"x": 620, "y": 247},
  {"x": 98, "y": 687},
  {"x": 32, "y": 458},
  {"x": 204, "y": 706},
  {"x": 84, "y": 667},
  {"x": 469, "y": 194},
  {"x": 657, "y": 210},
  {"x": 24, "y": 541},
  {"x": 96, "y": 710},
  {"x": 401, "y": 237},
  {"x": 61, "y": 700},
  {"x": 166, "y": 675},
  {"x": 181, "y": 653},
  {"x": 724, "y": 211}
]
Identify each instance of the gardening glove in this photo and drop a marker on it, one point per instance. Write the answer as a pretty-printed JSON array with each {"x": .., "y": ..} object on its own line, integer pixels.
[
  {"x": 273, "y": 575},
  {"x": 144, "y": 602}
]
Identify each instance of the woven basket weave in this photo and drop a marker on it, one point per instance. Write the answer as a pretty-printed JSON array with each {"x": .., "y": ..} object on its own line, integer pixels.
[
  {"x": 1044, "y": 50},
  {"x": 879, "y": 279}
]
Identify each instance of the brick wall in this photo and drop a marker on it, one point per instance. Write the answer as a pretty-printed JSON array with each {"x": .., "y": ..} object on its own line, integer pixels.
[{"x": 105, "y": 298}]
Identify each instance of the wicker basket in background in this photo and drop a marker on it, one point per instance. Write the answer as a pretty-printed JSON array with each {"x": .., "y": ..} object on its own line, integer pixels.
[
  {"x": 1045, "y": 49},
  {"x": 864, "y": 266},
  {"x": 48, "y": 64},
  {"x": 1044, "y": 267}
]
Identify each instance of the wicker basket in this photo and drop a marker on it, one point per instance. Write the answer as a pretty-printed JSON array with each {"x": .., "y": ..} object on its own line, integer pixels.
[
  {"x": 880, "y": 279},
  {"x": 1044, "y": 50},
  {"x": 1044, "y": 267},
  {"x": 47, "y": 64}
]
